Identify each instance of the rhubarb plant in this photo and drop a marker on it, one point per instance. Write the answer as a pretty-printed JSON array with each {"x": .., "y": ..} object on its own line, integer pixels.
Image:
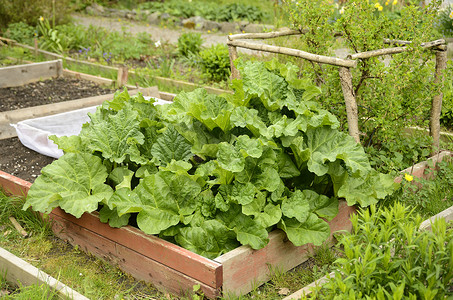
[{"x": 212, "y": 172}]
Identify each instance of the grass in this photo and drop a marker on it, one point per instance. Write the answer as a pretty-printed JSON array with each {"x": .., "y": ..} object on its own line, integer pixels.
[{"x": 88, "y": 275}]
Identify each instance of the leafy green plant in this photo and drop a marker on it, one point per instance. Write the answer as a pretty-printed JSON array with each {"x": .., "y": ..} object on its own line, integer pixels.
[
  {"x": 49, "y": 37},
  {"x": 189, "y": 43},
  {"x": 396, "y": 155},
  {"x": 215, "y": 62},
  {"x": 388, "y": 257},
  {"x": 21, "y": 32},
  {"x": 212, "y": 172}
]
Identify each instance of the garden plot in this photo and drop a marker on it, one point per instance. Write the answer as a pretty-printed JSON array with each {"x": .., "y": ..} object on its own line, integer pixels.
[{"x": 41, "y": 89}]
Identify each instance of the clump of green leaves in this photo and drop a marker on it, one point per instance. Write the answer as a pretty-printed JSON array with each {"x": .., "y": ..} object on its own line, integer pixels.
[
  {"x": 388, "y": 257},
  {"x": 215, "y": 62},
  {"x": 213, "y": 172},
  {"x": 189, "y": 43},
  {"x": 21, "y": 32},
  {"x": 396, "y": 155}
]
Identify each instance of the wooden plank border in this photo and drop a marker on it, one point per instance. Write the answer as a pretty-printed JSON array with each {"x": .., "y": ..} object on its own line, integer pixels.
[
  {"x": 22, "y": 74},
  {"x": 171, "y": 255},
  {"x": 174, "y": 268},
  {"x": 18, "y": 270}
]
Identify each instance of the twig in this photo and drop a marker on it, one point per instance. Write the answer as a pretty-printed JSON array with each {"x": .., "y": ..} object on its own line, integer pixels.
[{"x": 18, "y": 227}]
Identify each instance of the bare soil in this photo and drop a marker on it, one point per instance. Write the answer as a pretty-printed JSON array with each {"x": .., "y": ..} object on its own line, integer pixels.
[
  {"x": 47, "y": 92},
  {"x": 17, "y": 159}
]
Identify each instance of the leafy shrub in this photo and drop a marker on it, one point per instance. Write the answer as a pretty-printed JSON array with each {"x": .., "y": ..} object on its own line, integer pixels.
[
  {"x": 388, "y": 257},
  {"x": 13, "y": 11},
  {"x": 389, "y": 96},
  {"x": 189, "y": 43},
  {"x": 212, "y": 172},
  {"x": 21, "y": 32},
  {"x": 215, "y": 62}
]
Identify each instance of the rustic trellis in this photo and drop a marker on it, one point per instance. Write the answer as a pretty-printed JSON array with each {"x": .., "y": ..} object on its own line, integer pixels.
[{"x": 345, "y": 65}]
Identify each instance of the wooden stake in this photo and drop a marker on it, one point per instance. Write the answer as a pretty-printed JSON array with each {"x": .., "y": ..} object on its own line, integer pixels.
[
  {"x": 122, "y": 76},
  {"x": 436, "y": 105},
  {"x": 18, "y": 227},
  {"x": 35, "y": 40},
  {"x": 350, "y": 101},
  {"x": 233, "y": 56}
]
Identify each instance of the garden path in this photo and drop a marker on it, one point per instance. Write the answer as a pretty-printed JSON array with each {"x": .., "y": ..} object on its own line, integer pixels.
[
  {"x": 162, "y": 34},
  {"x": 157, "y": 33}
]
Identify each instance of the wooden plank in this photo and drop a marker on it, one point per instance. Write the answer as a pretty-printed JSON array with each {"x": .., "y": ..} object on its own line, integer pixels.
[
  {"x": 23, "y": 74},
  {"x": 138, "y": 265},
  {"x": 83, "y": 76},
  {"x": 161, "y": 276},
  {"x": 13, "y": 185},
  {"x": 307, "y": 290},
  {"x": 193, "y": 265},
  {"x": 18, "y": 270},
  {"x": 245, "y": 268}
]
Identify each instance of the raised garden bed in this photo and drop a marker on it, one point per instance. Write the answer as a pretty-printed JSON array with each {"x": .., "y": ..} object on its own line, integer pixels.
[
  {"x": 18, "y": 270},
  {"x": 171, "y": 267}
]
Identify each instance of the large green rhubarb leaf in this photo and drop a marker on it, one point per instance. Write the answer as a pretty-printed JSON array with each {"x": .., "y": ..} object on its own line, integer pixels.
[
  {"x": 171, "y": 146},
  {"x": 210, "y": 239},
  {"x": 75, "y": 182},
  {"x": 116, "y": 137},
  {"x": 313, "y": 230},
  {"x": 164, "y": 198},
  {"x": 324, "y": 145},
  {"x": 367, "y": 190}
]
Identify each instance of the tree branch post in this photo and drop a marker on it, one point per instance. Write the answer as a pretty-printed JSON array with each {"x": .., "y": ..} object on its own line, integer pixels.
[
  {"x": 233, "y": 56},
  {"x": 436, "y": 105},
  {"x": 350, "y": 101}
]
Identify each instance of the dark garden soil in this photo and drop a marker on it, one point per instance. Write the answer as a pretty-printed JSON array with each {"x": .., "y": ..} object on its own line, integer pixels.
[
  {"x": 48, "y": 91},
  {"x": 18, "y": 160}
]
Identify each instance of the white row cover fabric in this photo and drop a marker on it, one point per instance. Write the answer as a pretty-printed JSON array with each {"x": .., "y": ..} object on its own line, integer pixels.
[{"x": 34, "y": 133}]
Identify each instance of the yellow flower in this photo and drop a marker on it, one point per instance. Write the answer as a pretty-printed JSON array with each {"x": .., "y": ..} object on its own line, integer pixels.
[
  {"x": 119, "y": 19},
  {"x": 395, "y": 2},
  {"x": 209, "y": 31},
  {"x": 41, "y": 19},
  {"x": 408, "y": 177},
  {"x": 451, "y": 15},
  {"x": 380, "y": 8},
  {"x": 387, "y": 3}
]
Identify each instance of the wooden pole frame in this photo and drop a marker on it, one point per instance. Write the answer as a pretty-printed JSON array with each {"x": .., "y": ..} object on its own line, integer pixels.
[{"x": 237, "y": 40}]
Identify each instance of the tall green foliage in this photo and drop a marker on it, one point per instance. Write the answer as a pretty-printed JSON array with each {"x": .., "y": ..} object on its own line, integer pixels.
[
  {"x": 212, "y": 172},
  {"x": 388, "y": 257}
]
